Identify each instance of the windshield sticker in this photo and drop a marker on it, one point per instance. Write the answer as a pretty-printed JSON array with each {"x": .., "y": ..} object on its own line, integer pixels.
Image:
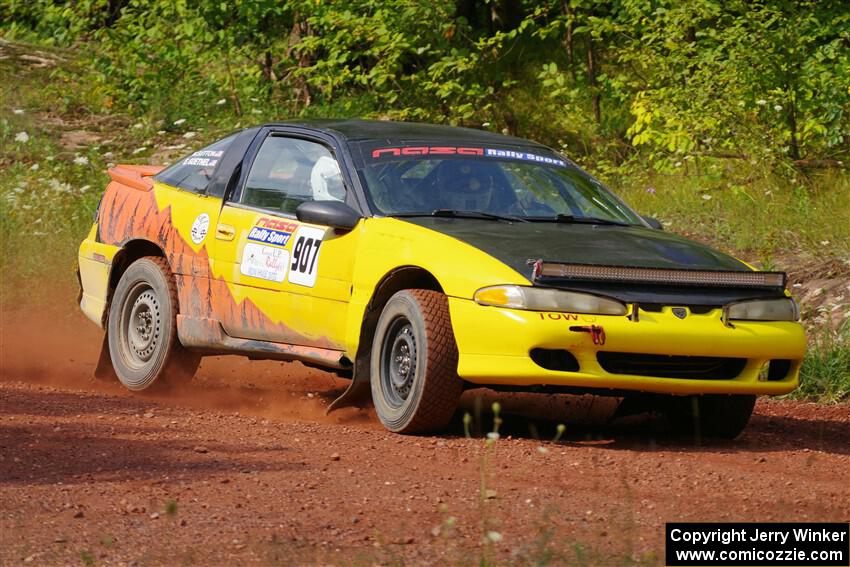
[
  {"x": 204, "y": 158},
  {"x": 426, "y": 151},
  {"x": 264, "y": 262},
  {"x": 392, "y": 152},
  {"x": 272, "y": 231},
  {"x": 511, "y": 154}
]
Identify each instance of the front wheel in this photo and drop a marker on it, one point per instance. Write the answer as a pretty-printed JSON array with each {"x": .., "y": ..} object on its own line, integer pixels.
[
  {"x": 415, "y": 386},
  {"x": 715, "y": 415},
  {"x": 142, "y": 328}
]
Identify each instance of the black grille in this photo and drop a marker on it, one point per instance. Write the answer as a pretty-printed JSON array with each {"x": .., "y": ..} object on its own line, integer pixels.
[
  {"x": 554, "y": 359},
  {"x": 663, "y": 366},
  {"x": 694, "y": 309},
  {"x": 778, "y": 369}
]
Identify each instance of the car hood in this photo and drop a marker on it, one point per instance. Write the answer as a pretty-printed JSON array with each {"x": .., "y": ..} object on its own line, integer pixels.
[
  {"x": 636, "y": 246},
  {"x": 514, "y": 244}
]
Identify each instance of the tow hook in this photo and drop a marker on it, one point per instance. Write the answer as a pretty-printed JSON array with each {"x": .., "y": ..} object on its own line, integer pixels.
[{"x": 597, "y": 333}]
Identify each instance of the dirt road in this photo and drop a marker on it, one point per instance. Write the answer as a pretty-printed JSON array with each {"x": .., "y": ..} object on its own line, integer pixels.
[{"x": 245, "y": 468}]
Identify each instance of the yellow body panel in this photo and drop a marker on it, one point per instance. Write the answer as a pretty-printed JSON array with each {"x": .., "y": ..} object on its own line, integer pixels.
[
  {"x": 387, "y": 244},
  {"x": 316, "y": 312}
]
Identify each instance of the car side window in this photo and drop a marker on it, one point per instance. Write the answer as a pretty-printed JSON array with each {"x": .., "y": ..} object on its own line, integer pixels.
[
  {"x": 291, "y": 171},
  {"x": 194, "y": 172}
]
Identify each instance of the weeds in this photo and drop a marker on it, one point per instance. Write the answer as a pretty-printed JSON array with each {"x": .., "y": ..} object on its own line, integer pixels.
[
  {"x": 171, "y": 507},
  {"x": 550, "y": 547},
  {"x": 771, "y": 217},
  {"x": 825, "y": 374}
]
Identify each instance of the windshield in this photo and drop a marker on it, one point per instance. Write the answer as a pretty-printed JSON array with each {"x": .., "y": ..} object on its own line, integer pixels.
[{"x": 508, "y": 183}]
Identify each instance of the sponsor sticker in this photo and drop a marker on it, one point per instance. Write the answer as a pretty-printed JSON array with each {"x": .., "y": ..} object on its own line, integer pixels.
[
  {"x": 393, "y": 152},
  {"x": 264, "y": 262},
  {"x": 305, "y": 256},
  {"x": 272, "y": 231},
  {"x": 525, "y": 156},
  {"x": 200, "y": 228},
  {"x": 426, "y": 151},
  {"x": 269, "y": 236},
  {"x": 204, "y": 158}
]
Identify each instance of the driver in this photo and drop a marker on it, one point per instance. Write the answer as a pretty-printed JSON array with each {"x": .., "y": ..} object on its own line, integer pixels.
[
  {"x": 326, "y": 180},
  {"x": 468, "y": 188}
]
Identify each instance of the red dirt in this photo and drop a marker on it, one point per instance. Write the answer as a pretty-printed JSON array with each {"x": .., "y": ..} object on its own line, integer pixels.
[{"x": 244, "y": 467}]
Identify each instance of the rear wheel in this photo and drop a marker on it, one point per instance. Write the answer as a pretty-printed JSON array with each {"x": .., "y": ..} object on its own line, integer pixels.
[
  {"x": 415, "y": 386},
  {"x": 142, "y": 328},
  {"x": 714, "y": 415}
]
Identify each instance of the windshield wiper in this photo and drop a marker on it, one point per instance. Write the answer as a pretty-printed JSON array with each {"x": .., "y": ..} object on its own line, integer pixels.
[
  {"x": 571, "y": 219},
  {"x": 458, "y": 214}
]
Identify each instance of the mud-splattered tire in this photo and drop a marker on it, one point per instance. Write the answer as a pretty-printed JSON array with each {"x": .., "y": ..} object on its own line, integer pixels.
[
  {"x": 415, "y": 386},
  {"x": 142, "y": 329},
  {"x": 722, "y": 416}
]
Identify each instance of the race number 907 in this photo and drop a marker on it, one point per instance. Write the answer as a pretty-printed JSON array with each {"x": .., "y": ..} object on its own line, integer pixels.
[{"x": 305, "y": 256}]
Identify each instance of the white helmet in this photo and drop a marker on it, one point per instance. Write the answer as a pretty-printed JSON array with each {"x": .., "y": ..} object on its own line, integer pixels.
[{"x": 326, "y": 180}]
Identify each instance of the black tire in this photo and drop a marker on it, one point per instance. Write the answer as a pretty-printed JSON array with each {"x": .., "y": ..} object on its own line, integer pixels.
[
  {"x": 415, "y": 386},
  {"x": 715, "y": 415},
  {"x": 142, "y": 329}
]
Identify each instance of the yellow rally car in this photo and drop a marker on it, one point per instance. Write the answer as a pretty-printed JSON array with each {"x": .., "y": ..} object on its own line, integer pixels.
[{"x": 421, "y": 260}]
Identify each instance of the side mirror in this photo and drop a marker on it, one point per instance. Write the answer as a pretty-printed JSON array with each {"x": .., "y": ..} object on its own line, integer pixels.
[
  {"x": 653, "y": 222},
  {"x": 335, "y": 214}
]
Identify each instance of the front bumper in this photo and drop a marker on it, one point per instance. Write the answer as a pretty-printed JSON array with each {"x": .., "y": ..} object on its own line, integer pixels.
[{"x": 495, "y": 346}]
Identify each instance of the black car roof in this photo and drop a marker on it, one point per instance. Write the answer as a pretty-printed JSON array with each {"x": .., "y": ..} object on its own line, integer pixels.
[{"x": 378, "y": 130}]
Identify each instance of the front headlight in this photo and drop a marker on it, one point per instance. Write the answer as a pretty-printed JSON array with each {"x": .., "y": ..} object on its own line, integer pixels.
[
  {"x": 784, "y": 309},
  {"x": 541, "y": 299}
]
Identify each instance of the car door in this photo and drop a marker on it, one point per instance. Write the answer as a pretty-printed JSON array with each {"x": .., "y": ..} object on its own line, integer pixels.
[{"x": 292, "y": 279}]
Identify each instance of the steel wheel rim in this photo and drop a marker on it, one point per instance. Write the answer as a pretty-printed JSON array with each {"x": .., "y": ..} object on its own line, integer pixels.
[
  {"x": 141, "y": 324},
  {"x": 398, "y": 362}
]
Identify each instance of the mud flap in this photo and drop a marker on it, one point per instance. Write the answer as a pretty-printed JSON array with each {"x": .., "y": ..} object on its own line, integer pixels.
[
  {"x": 104, "y": 370},
  {"x": 359, "y": 391}
]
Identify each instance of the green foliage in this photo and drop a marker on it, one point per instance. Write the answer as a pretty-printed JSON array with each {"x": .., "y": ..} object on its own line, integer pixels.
[
  {"x": 612, "y": 83},
  {"x": 763, "y": 80},
  {"x": 825, "y": 374}
]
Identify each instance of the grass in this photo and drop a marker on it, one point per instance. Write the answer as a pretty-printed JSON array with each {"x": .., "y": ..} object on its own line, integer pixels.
[
  {"x": 825, "y": 375},
  {"x": 766, "y": 217}
]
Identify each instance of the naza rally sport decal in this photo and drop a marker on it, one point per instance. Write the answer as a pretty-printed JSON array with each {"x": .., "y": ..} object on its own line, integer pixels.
[
  {"x": 464, "y": 151},
  {"x": 272, "y": 231}
]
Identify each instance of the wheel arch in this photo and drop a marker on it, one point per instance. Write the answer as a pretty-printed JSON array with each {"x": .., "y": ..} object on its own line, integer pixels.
[
  {"x": 397, "y": 279},
  {"x": 129, "y": 253}
]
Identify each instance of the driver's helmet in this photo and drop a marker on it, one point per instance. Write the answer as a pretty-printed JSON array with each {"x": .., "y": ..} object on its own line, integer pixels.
[
  {"x": 326, "y": 180},
  {"x": 467, "y": 188}
]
